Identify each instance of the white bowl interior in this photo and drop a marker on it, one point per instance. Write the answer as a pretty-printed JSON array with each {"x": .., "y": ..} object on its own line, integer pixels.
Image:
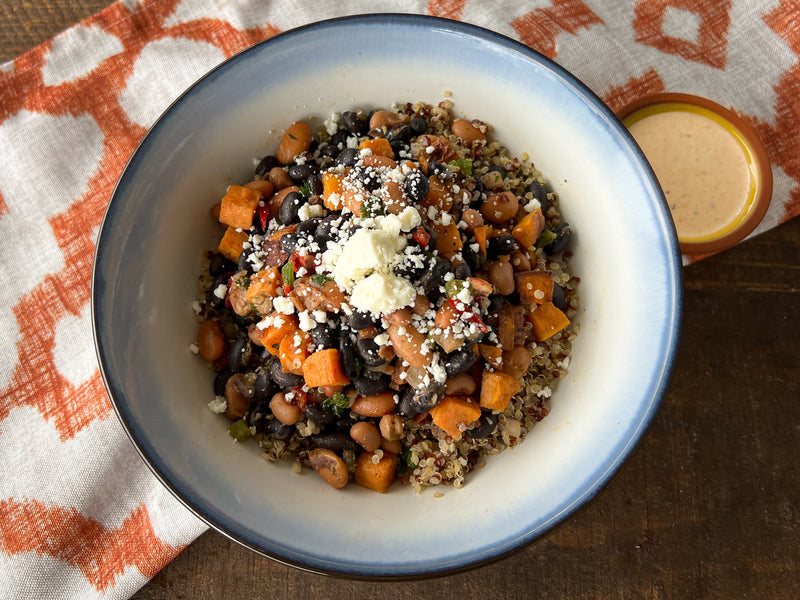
[{"x": 158, "y": 226}]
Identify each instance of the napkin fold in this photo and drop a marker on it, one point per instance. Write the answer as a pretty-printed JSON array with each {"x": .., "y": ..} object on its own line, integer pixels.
[{"x": 81, "y": 516}]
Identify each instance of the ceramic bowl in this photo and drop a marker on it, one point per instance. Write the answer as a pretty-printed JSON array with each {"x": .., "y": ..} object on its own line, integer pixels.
[{"x": 157, "y": 226}]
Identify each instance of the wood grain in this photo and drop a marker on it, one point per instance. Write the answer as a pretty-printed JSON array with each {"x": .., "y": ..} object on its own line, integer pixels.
[{"x": 708, "y": 505}]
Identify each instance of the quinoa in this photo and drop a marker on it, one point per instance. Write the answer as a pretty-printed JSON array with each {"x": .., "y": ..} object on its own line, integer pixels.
[{"x": 317, "y": 281}]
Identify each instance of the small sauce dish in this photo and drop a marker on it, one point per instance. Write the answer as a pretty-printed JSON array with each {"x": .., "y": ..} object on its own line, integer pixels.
[{"x": 710, "y": 164}]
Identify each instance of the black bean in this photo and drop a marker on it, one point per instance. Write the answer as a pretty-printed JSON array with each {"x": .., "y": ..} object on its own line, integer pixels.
[
  {"x": 347, "y": 157},
  {"x": 502, "y": 244},
  {"x": 266, "y": 164},
  {"x": 299, "y": 173},
  {"x": 559, "y": 299},
  {"x": 434, "y": 278},
  {"x": 285, "y": 380},
  {"x": 370, "y": 352},
  {"x": 328, "y": 151},
  {"x": 410, "y": 268},
  {"x": 372, "y": 383},
  {"x": 462, "y": 271},
  {"x": 360, "y": 320},
  {"x": 484, "y": 428},
  {"x": 257, "y": 415},
  {"x": 333, "y": 441},
  {"x": 400, "y": 148},
  {"x": 563, "y": 235},
  {"x": 355, "y": 123},
  {"x": 279, "y": 431},
  {"x": 498, "y": 169},
  {"x": 290, "y": 207},
  {"x": 496, "y": 302},
  {"x": 263, "y": 387},
  {"x": 343, "y": 423},
  {"x": 417, "y": 186},
  {"x": 400, "y": 133},
  {"x": 414, "y": 402},
  {"x": 459, "y": 361},
  {"x": 347, "y": 354},
  {"x": 306, "y": 228},
  {"x": 367, "y": 177},
  {"x": 324, "y": 336},
  {"x": 289, "y": 242},
  {"x": 473, "y": 258},
  {"x": 325, "y": 232},
  {"x": 213, "y": 299},
  {"x": 219, "y": 265},
  {"x": 539, "y": 191},
  {"x": 319, "y": 415},
  {"x": 314, "y": 184},
  {"x": 437, "y": 168},
  {"x": 220, "y": 381},
  {"x": 239, "y": 353},
  {"x": 418, "y": 125},
  {"x": 340, "y": 137},
  {"x": 244, "y": 262}
]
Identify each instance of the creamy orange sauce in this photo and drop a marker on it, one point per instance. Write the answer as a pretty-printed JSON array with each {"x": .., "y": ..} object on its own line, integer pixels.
[{"x": 701, "y": 166}]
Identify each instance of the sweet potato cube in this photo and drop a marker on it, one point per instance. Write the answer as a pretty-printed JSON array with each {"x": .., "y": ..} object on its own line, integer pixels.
[
  {"x": 454, "y": 412},
  {"x": 379, "y": 146},
  {"x": 493, "y": 355},
  {"x": 497, "y": 389},
  {"x": 448, "y": 240},
  {"x": 547, "y": 320},
  {"x": 279, "y": 326},
  {"x": 332, "y": 191},
  {"x": 534, "y": 287},
  {"x": 528, "y": 230},
  {"x": 293, "y": 351},
  {"x": 324, "y": 367},
  {"x": 265, "y": 283},
  {"x": 376, "y": 476},
  {"x": 232, "y": 244},
  {"x": 238, "y": 207}
]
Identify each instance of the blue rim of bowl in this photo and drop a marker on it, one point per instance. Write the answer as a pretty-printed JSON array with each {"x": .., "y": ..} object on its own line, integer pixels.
[{"x": 603, "y": 476}]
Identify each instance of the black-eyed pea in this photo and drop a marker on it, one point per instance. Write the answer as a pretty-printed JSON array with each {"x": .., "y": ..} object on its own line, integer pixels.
[
  {"x": 366, "y": 435},
  {"x": 467, "y": 131},
  {"x": 286, "y": 412},
  {"x": 329, "y": 466},
  {"x": 295, "y": 141},
  {"x": 392, "y": 427}
]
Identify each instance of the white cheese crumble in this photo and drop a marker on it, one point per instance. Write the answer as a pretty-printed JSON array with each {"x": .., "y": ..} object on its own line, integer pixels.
[
  {"x": 283, "y": 305},
  {"x": 220, "y": 290},
  {"x": 218, "y": 405},
  {"x": 382, "y": 293}
]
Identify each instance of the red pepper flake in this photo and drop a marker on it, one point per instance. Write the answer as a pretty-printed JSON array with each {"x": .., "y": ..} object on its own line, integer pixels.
[
  {"x": 263, "y": 216},
  {"x": 422, "y": 237},
  {"x": 305, "y": 261},
  {"x": 287, "y": 289}
]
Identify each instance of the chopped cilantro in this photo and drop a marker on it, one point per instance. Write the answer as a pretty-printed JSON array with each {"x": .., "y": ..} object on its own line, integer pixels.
[
  {"x": 408, "y": 458},
  {"x": 305, "y": 190},
  {"x": 371, "y": 209},
  {"x": 465, "y": 164},
  {"x": 287, "y": 272},
  {"x": 337, "y": 404},
  {"x": 321, "y": 278}
]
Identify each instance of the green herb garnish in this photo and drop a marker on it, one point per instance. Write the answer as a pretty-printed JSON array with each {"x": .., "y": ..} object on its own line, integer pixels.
[
  {"x": 371, "y": 209},
  {"x": 305, "y": 190},
  {"x": 287, "y": 272},
  {"x": 465, "y": 164},
  {"x": 321, "y": 279},
  {"x": 337, "y": 404},
  {"x": 408, "y": 459}
]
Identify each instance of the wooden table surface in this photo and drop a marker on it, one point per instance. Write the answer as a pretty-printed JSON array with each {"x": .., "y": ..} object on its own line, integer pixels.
[{"x": 708, "y": 505}]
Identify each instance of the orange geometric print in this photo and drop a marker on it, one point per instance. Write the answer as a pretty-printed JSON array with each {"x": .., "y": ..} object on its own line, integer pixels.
[
  {"x": 448, "y": 9},
  {"x": 101, "y": 554},
  {"x": 710, "y": 46},
  {"x": 783, "y": 140},
  {"x": 36, "y": 380},
  {"x": 636, "y": 87},
  {"x": 538, "y": 29}
]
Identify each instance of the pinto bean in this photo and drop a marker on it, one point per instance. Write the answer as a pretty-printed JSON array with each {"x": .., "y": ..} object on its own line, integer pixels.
[
  {"x": 279, "y": 178},
  {"x": 467, "y": 131},
  {"x": 501, "y": 276},
  {"x": 472, "y": 218},
  {"x": 210, "y": 340},
  {"x": 329, "y": 466},
  {"x": 407, "y": 340},
  {"x": 265, "y": 186},
  {"x": 500, "y": 207},
  {"x": 392, "y": 427},
  {"x": 516, "y": 361},
  {"x": 520, "y": 261},
  {"x": 387, "y": 118},
  {"x": 462, "y": 384},
  {"x": 374, "y": 406},
  {"x": 296, "y": 140}
]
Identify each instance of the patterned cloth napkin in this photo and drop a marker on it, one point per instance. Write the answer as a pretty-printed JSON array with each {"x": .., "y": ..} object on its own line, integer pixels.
[{"x": 80, "y": 514}]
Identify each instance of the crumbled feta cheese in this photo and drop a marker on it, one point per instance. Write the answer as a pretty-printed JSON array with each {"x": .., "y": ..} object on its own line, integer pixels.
[
  {"x": 382, "y": 293},
  {"x": 533, "y": 205},
  {"x": 194, "y": 349},
  {"x": 196, "y": 307},
  {"x": 220, "y": 290},
  {"x": 309, "y": 211},
  {"x": 218, "y": 405},
  {"x": 283, "y": 305}
]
